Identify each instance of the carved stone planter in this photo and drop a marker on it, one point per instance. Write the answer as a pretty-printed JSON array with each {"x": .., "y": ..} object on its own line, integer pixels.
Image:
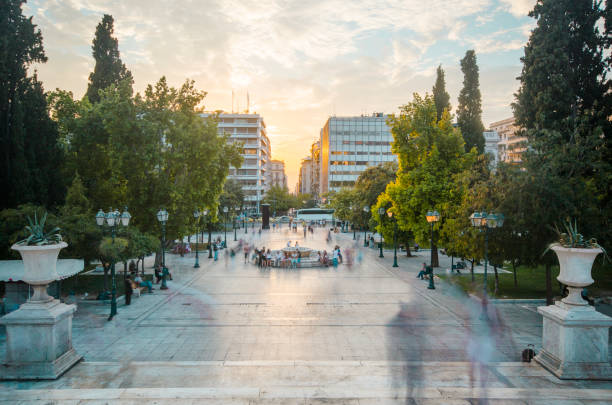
[
  {"x": 574, "y": 334},
  {"x": 39, "y": 333}
]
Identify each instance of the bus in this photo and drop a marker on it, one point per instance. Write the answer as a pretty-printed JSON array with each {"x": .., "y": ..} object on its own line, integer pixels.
[{"x": 315, "y": 215}]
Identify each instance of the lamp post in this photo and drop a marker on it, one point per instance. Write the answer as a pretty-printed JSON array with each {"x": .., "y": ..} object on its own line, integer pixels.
[
  {"x": 354, "y": 230},
  {"x": 225, "y": 211},
  {"x": 162, "y": 217},
  {"x": 487, "y": 221},
  {"x": 237, "y": 209},
  {"x": 432, "y": 217},
  {"x": 204, "y": 214},
  {"x": 366, "y": 209},
  {"x": 113, "y": 218},
  {"x": 390, "y": 214},
  {"x": 196, "y": 215},
  {"x": 381, "y": 213}
]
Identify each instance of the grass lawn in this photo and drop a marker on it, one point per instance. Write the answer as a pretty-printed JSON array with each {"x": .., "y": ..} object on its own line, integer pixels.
[{"x": 531, "y": 282}]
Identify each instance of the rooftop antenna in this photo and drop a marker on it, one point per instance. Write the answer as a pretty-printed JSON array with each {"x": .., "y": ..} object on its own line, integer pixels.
[
  {"x": 248, "y": 102},
  {"x": 232, "y": 101}
]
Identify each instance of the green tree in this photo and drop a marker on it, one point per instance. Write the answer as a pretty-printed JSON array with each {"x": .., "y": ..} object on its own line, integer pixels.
[
  {"x": 343, "y": 202},
  {"x": 440, "y": 96},
  {"x": 430, "y": 154},
  {"x": 279, "y": 199},
  {"x": 469, "y": 111},
  {"x": 108, "y": 69},
  {"x": 563, "y": 106},
  {"x": 232, "y": 195},
  {"x": 31, "y": 159}
]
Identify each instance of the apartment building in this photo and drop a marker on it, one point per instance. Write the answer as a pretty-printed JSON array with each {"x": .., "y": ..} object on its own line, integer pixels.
[
  {"x": 348, "y": 145},
  {"x": 511, "y": 146},
  {"x": 305, "y": 176},
  {"x": 492, "y": 146},
  {"x": 276, "y": 174},
  {"x": 250, "y": 130}
]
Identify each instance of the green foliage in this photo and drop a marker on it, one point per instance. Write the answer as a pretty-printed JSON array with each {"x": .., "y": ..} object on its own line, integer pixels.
[
  {"x": 430, "y": 154},
  {"x": 469, "y": 111},
  {"x": 232, "y": 195},
  {"x": 344, "y": 203},
  {"x": 280, "y": 200},
  {"x": 571, "y": 238},
  {"x": 37, "y": 235},
  {"x": 563, "y": 107},
  {"x": 12, "y": 227},
  {"x": 30, "y": 157},
  {"x": 112, "y": 251},
  {"x": 108, "y": 69},
  {"x": 146, "y": 152},
  {"x": 440, "y": 96}
]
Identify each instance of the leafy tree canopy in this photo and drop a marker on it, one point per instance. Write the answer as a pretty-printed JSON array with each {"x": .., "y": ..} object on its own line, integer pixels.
[{"x": 469, "y": 111}]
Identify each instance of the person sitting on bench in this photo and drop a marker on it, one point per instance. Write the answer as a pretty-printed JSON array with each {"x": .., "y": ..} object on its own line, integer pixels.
[{"x": 423, "y": 272}]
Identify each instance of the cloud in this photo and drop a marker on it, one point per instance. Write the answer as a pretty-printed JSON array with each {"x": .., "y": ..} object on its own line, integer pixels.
[
  {"x": 519, "y": 8},
  {"x": 301, "y": 61}
]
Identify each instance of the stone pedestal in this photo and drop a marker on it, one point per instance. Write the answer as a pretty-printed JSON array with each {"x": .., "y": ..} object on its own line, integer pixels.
[
  {"x": 575, "y": 342},
  {"x": 38, "y": 341}
]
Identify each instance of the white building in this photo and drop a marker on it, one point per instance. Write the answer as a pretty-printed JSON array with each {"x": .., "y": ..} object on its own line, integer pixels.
[
  {"x": 276, "y": 174},
  {"x": 305, "y": 182},
  {"x": 491, "y": 145},
  {"x": 250, "y": 130},
  {"x": 349, "y": 145},
  {"x": 511, "y": 146}
]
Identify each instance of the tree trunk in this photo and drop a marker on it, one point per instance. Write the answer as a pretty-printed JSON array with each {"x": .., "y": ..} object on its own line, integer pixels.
[
  {"x": 407, "y": 244},
  {"x": 549, "y": 297},
  {"x": 434, "y": 260},
  {"x": 124, "y": 270},
  {"x": 496, "y": 280},
  {"x": 158, "y": 259},
  {"x": 472, "y": 269},
  {"x": 105, "y": 281},
  {"x": 143, "y": 259},
  {"x": 514, "y": 273}
]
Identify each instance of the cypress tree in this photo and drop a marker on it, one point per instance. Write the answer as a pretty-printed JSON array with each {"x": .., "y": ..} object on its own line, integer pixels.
[
  {"x": 441, "y": 97},
  {"x": 469, "y": 111},
  {"x": 30, "y": 158},
  {"x": 109, "y": 69},
  {"x": 563, "y": 107}
]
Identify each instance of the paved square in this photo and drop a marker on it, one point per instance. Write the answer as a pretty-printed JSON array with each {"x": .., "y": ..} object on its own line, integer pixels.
[{"x": 366, "y": 333}]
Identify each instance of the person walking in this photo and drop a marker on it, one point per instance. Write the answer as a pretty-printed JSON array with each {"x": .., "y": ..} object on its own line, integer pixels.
[
  {"x": 129, "y": 290},
  {"x": 216, "y": 249}
]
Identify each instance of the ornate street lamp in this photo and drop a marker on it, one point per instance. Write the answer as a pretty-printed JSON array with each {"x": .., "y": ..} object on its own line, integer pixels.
[
  {"x": 390, "y": 214},
  {"x": 196, "y": 215},
  {"x": 487, "y": 221},
  {"x": 205, "y": 214},
  {"x": 225, "y": 211},
  {"x": 162, "y": 217},
  {"x": 366, "y": 209},
  {"x": 432, "y": 217},
  {"x": 381, "y": 214},
  {"x": 113, "y": 219}
]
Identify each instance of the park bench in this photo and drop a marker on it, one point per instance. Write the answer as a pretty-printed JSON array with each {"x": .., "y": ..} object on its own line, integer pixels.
[{"x": 457, "y": 267}]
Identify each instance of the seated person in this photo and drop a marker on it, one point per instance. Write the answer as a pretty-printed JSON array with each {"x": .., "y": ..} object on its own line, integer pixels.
[
  {"x": 425, "y": 270},
  {"x": 141, "y": 283}
]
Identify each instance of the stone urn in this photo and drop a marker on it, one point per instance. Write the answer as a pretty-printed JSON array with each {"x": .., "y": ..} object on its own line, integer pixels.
[
  {"x": 574, "y": 334},
  {"x": 575, "y": 271},
  {"x": 40, "y": 267},
  {"x": 39, "y": 333}
]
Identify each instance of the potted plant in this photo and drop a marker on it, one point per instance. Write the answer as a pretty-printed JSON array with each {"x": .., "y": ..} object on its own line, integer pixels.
[
  {"x": 39, "y": 252},
  {"x": 576, "y": 255}
]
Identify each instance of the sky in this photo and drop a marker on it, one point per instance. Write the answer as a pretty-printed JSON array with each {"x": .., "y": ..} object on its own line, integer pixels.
[{"x": 300, "y": 61}]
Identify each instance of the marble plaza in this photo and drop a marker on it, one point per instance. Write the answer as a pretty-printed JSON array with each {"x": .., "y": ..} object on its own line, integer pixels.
[{"x": 230, "y": 332}]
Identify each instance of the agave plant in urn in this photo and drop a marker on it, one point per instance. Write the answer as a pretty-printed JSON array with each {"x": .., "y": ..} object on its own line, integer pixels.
[
  {"x": 39, "y": 252},
  {"x": 576, "y": 255}
]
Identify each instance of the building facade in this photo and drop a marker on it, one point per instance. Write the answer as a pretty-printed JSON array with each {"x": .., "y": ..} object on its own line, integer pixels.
[
  {"x": 349, "y": 145},
  {"x": 511, "y": 146},
  {"x": 250, "y": 130},
  {"x": 491, "y": 146},
  {"x": 276, "y": 174},
  {"x": 305, "y": 177}
]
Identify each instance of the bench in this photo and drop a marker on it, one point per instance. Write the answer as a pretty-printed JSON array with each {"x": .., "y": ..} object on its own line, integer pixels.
[{"x": 457, "y": 267}]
